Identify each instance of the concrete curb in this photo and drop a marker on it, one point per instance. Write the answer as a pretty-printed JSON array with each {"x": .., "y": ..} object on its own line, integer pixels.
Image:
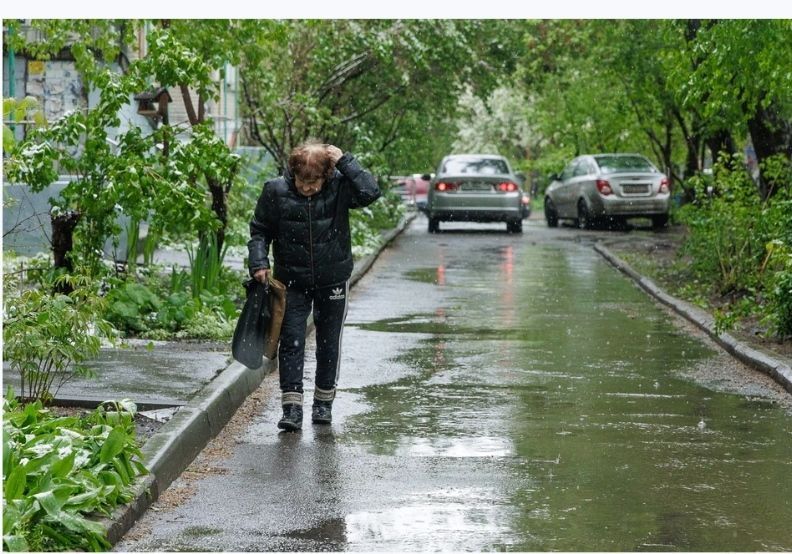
[
  {"x": 169, "y": 451},
  {"x": 173, "y": 448},
  {"x": 779, "y": 370}
]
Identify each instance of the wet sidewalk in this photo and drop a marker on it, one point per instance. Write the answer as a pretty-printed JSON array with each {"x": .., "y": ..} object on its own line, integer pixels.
[
  {"x": 195, "y": 386},
  {"x": 150, "y": 373}
]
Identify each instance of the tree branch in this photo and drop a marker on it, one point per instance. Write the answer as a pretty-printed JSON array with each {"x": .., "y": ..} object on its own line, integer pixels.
[
  {"x": 254, "y": 128},
  {"x": 343, "y": 73},
  {"x": 19, "y": 223},
  {"x": 188, "y": 104},
  {"x": 376, "y": 105},
  {"x": 392, "y": 134}
]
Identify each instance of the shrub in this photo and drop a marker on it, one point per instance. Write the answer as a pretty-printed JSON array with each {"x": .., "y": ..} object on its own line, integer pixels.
[
  {"x": 163, "y": 307},
  {"x": 206, "y": 265},
  {"x": 48, "y": 336},
  {"x": 367, "y": 223},
  {"x": 58, "y": 470},
  {"x": 208, "y": 324},
  {"x": 129, "y": 306},
  {"x": 740, "y": 244},
  {"x": 726, "y": 242},
  {"x": 779, "y": 297}
]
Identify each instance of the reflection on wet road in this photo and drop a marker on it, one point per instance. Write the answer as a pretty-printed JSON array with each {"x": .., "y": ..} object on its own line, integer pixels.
[{"x": 504, "y": 392}]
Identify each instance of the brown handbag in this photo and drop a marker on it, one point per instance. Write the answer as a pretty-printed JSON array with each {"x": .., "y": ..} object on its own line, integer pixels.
[
  {"x": 277, "y": 305},
  {"x": 258, "y": 329}
]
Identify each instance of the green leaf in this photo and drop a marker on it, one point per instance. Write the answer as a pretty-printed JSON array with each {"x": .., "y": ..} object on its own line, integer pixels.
[
  {"x": 15, "y": 484},
  {"x": 29, "y": 103},
  {"x": 15, "y": 543},
  {"x": 140, "y": 467},
  {"x": 8, "y": 138},
  {"x": 111, "y": 478},
  {"x": 34, "y": 465},
  {"x": 7, "y": 452},
  {"x": 121, "y": 468},
  {"x": 63, "y": 467},
  {"x": 80, "y": 524},
  {"x": 113, "y": 445},
  {"x": 127, "y": 405},
  {"x": 40, "y": 119},
  {"x": 51, "y": 502},
  {"x": 12, "y": 515},
  {"x": 8, "y": 105}
]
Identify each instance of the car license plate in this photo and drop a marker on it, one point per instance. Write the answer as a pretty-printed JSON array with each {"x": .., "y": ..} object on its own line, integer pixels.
[
  {"x": 475, "y": 187},
  {"x": 635, "y": 189}
]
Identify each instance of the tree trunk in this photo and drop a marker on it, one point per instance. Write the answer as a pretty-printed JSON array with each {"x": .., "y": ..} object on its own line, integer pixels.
[
  {"x": 721, "y": 141},
  {"x": 219, "y": 204},
  {"x": 220, "y": 208},
  {"x": 691, "y": 132},
  {"x": 693, "y": 144},
  {"x": 63, "y": 226},
  {"x": 63, "y": 238},
  {"x": 770, "y": 135},
  {"x": 667, "y": 150}
]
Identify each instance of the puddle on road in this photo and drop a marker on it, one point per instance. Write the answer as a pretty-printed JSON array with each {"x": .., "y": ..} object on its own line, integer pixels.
[
  {"x": 455, "y": 447},
  {"x": 443, "y": 521},
  {"x": 423, "y": 274},
  {"x": 439, "y": 324},
  {"x": 565, "y": 383}
]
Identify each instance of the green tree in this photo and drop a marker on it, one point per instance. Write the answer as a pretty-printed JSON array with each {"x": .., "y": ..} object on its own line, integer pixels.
[
  {"x": 144, "y": 175},
  {"x": 688, "y": 86},
  {"x": 579, "y": 101},
  {"x": 191, "y": 55},
  {"x": 743, "y": 80},
  {"x": 385, "y": 88}
]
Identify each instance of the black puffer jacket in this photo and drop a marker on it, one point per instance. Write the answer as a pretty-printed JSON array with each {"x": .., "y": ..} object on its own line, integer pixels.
[{"x": 310, "y": 237}]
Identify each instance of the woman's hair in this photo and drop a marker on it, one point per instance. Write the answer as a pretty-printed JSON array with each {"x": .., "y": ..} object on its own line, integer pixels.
[{"x": 309, "y": 161}]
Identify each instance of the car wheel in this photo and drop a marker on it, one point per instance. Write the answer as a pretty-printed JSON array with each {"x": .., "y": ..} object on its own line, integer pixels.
[
  {"x": 659, "y": 221},
  {"x": 585, "y": 221},
  {"x": 434, "y": 225},
  {"x": 514, "y": 226},
  {"x": 551, "y": 215}
]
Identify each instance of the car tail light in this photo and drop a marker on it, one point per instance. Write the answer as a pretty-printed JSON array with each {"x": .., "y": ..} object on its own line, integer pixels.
[
  {"x": 445, "y": 187},
  {"x": 604, "y": 187},
  {"x": 507, "y": 187},
  {"x": 526, "y": 199},
  {"x": 664, "y": 185}
]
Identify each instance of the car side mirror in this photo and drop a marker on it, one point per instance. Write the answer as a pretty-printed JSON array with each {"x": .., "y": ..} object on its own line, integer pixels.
[
  {"x": 426, "y": 177},
  {"x": 555, "y": 177},
  {"x": 521, "y": 176}
]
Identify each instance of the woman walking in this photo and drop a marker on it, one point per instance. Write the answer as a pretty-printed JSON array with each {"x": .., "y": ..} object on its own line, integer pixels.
[{"x": 304, "y": 215}]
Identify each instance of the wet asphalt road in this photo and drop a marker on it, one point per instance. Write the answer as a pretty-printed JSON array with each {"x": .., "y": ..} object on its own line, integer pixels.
[{"x": 502, "y": 392}]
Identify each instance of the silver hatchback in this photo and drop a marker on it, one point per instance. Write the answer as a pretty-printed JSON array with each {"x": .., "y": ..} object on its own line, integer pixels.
[
  {"x": 476, "y": 187},
  {"x": 595, "y": 188}
]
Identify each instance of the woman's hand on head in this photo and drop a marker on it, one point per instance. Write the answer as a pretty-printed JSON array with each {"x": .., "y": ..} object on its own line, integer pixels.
[{"x": 334, "y": 152}]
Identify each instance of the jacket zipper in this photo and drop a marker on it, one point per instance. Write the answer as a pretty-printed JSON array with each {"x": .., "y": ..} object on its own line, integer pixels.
[{"x": 310, "y": 242}]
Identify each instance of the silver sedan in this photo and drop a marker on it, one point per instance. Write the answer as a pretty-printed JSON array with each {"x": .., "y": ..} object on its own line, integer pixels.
[
  {"x": 476, "y": 187},
  {"x": 595, "y": 188}
]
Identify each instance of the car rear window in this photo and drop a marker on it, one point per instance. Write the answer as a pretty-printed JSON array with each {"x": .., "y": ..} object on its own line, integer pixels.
[
  {"x": 622, "y": 164},
  {"x": 487, "y": 166}
]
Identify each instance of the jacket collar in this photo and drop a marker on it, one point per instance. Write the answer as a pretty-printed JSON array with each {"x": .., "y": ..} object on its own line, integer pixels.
[{"x": 288, "y": 176}]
